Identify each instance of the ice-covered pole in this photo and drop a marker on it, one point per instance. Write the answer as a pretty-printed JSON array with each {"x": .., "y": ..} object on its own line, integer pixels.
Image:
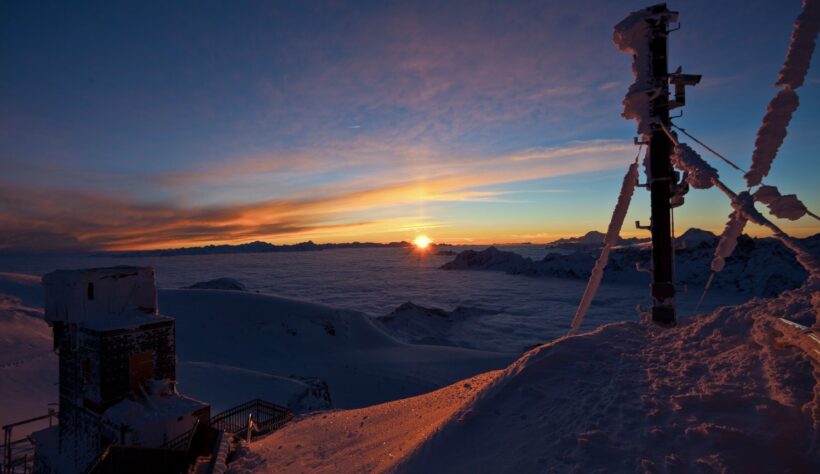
[
  {"x": 644, "y": 34},
  {"x": 611, "y": 238}
]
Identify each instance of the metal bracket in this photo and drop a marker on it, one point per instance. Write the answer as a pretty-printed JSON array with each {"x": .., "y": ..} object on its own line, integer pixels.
[
  {"x": 639, "y": 142},
  {"x": 644, "y": 227},
  {"x": 681, "y": 81},
  {"x": 673, "y": 29}
]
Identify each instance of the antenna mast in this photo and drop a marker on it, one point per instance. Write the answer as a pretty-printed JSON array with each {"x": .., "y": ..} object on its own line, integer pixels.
[
  {"x": 661, "y": 180},
  {"x": 644, "y": 34}
]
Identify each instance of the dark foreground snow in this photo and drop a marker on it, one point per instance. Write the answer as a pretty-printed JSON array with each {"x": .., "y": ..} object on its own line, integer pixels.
[{"x": 724, "y": 391}]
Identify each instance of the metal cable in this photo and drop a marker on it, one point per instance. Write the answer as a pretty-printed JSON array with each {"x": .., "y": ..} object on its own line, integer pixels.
[{"x": 727, "y": 160}]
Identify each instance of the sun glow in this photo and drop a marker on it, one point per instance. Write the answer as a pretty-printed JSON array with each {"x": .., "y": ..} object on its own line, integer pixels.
[{"x": 422, "y": 242}]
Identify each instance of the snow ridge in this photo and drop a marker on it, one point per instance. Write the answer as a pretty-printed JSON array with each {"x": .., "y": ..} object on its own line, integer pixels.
[
  {"x": 417, "y": 324},
  {"x": 761, "y": 267},
  {"x": 721, "y": 392}
]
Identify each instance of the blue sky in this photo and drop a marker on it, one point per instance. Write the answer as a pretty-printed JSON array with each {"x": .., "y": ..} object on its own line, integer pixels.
[{"x": 160, "y": 124}]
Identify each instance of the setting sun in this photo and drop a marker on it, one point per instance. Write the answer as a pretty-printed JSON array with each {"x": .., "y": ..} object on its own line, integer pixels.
[{"x": 422, "y": 242}]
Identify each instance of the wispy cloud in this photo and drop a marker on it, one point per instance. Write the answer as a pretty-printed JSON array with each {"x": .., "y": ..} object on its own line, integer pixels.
[{"x": 84, "y": 219}]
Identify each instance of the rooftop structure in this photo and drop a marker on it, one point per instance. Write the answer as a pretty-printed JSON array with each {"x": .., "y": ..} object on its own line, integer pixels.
[{"x": 117, "y": 367}]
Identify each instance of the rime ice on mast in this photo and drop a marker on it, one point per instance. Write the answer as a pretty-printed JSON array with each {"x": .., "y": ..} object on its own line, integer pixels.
[{"x": 643, "y": 34}]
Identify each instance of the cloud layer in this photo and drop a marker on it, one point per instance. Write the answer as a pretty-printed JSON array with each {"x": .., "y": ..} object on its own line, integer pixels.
[{"x": 65, "y": 218}]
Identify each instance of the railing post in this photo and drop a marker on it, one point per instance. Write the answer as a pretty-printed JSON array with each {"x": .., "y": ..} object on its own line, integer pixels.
[{"x": 7, "y": 449}]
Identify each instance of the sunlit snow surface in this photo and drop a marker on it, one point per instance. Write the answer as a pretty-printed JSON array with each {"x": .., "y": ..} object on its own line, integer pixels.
[
  {"x": 723, "y": 392},
  {"x": 718, "y": 392},
  {"x": 516, "y": 312}
]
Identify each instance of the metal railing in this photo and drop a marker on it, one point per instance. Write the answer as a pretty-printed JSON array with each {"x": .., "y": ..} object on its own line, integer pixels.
[
  {"x": 18, "y": 455},
  {"x": 267, "y": 417},
  {"x": 248, "y": 420},
  {"x": 183, "y": 441}
]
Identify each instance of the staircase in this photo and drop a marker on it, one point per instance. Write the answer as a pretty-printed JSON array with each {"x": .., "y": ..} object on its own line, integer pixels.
[{"x": 203, "y": 449}]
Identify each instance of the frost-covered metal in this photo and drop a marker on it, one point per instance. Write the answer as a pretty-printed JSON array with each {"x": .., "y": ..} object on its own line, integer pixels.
[
  {"x": 644, "y": 35},
  {"x": 611, "y": 238},
  {"x": 779, "y": 112}
]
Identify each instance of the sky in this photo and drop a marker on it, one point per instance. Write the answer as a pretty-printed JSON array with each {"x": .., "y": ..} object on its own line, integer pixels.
[{"x": 164, "y": 124}]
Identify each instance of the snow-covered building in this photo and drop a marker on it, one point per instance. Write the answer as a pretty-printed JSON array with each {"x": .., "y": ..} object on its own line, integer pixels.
[{"x": 117, "y": 368}]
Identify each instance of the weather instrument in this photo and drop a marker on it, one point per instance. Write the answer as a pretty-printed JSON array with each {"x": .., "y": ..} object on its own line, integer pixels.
[{"x": 672, "y": 167}]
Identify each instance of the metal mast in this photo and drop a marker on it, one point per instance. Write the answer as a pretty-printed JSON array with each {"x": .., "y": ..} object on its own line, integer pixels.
[
  {"x": 664, "y": 183},
  {"x": 661, "y": 181}
]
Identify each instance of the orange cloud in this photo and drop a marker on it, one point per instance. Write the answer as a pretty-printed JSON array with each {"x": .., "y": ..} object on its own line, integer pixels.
[{"x": 49, "y": 217}]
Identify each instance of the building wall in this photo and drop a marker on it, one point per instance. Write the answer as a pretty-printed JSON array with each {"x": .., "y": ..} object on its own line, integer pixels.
[
  {"x": 115, "y": 354},
  {"x": 79, "y": 428},
  {"x": 94, "y": 375},
  {"x": 76, "y": 296}
]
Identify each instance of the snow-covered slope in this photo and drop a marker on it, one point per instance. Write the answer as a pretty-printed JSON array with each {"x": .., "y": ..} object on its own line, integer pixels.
[
  {"x": 373, "y": 439},
  {"x": 762, "y": 267},
  {"x": 723, "y": 392},
  {"x": 234, "y": 346},
  {"x": 361, "y": 364},
  {"x": 417, "y": 324},
  {"x": 236, "y": 385},
  {"x": 591, "y": 240},
  {"x": 694, "y": 238},
  {"x": 223, "y": 283},
  {"x": 28, "y": 366}
]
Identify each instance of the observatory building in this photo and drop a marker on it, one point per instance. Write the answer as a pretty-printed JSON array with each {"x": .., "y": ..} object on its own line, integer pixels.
[{"x": 117, "y": 368}]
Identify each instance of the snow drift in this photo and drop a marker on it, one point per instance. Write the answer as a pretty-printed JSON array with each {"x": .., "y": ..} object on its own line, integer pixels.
[
  {"x": 417, "y": 324},
  {"x": 723, "y": 392}
]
